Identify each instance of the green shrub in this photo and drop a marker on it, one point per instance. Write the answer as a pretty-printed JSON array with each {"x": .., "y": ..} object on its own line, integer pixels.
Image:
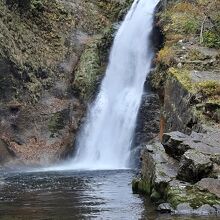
[
  {"x": 211, "y": 39},
  {"x": 190, "y": 26},
  {"x": 208, "y": 87}
]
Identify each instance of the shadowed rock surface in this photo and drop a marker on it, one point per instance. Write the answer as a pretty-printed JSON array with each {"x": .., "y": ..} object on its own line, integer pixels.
[
  {"x": 147, "y": 126},
  {"x": 194, "y": 166}
]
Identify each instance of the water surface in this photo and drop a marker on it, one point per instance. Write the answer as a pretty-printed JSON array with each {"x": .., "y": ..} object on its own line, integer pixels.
[{"x": 74, "y": 195}]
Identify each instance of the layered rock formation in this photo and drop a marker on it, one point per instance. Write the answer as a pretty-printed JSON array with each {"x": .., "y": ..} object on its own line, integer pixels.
[
  {"x": 183, "y": 171},
  {"x": 180, "y": 169}
]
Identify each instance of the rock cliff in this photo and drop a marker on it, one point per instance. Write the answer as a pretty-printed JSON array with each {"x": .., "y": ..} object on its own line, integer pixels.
[
  {"x": 180, "y": 168},
  {"x": 52, "y": 55}
]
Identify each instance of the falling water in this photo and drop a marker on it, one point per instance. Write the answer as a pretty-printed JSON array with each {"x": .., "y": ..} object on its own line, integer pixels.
[{"x": 105, "y": 140}]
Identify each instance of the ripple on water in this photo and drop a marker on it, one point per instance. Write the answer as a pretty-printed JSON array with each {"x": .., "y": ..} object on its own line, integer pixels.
[{"x": 74, "y": 195}]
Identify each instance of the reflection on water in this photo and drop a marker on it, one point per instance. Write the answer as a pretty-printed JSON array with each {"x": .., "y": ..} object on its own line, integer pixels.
[{"x": 73, "y": 195}]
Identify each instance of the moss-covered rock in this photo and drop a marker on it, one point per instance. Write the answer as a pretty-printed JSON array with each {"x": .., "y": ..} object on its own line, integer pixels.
[
  {"x": 157, "y": 171},
  {"x": 189, "y": 28},
  {"x": 178, "y": 193},
  {"x": 143, "y": 186},
  {"x": 58, "y": 121},
  {"x": 92, "y": 65}
]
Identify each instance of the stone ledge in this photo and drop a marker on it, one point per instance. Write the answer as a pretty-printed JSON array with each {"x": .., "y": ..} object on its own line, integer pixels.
[{"x": 160, "y": 174}]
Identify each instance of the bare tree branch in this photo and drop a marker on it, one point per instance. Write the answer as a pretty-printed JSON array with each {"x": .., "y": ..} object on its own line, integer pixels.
[{"x": 201, "y": 31}]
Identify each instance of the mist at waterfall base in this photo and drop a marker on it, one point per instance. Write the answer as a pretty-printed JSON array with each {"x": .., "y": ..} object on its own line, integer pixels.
[{"x": 104, "y": 141}]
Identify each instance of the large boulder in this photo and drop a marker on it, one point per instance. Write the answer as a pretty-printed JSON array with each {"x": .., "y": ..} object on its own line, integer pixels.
[
  {"x": 157, "y": 171},
  {"x": 176, "y": 143},
  {"x": 170, "y": 171},
  {"x": 194, "y": 166},
  {"x": 211, "y": 185},
  {"x": 198, "y": 153},
  {"x": 173, "y": 144}
]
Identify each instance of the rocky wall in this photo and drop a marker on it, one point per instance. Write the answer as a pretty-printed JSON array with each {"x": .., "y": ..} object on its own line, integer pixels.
[
  {"x": 180, "y": 168},
  {"x": 52, "y": 55}
]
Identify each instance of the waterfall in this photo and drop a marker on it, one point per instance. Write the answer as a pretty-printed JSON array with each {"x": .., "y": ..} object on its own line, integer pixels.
[{"x": 105, "y": 139}]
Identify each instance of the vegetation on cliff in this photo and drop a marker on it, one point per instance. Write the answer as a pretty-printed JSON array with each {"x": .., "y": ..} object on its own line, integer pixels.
[
  {"x": 52, "y": 55},
  {"x": 191, "y": 52},
  {"x": 36, "y": 39},
  {"x": 192, "y": 19},
  {"x": 181, "y": 172}
]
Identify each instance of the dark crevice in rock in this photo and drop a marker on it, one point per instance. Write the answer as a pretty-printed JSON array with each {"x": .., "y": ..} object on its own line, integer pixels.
[
  {"x": 191, "y": 124},
  {"x": 157, "y": 37},
  {"x": 147, "y": 125}
]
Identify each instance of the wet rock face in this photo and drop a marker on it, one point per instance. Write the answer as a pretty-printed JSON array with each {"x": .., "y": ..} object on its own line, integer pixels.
[
  {"x": 147, "y": 126},
  {"x": 148, "y": 122},
  {"x": 45, "y": 82},
  {"x": 5, "y": 154},
  {"x": 42, "y": 133}
]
